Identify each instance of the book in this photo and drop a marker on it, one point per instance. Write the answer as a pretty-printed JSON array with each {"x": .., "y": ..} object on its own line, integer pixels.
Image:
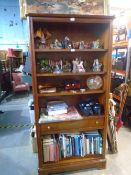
[
  {"x": 51, "y": 152},
  {"x": 72, "y": 114},
  {"x": 56, "y": 147}
]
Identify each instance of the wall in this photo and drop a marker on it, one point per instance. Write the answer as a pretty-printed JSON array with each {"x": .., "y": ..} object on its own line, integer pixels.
[{"x": 13, "y": 30}]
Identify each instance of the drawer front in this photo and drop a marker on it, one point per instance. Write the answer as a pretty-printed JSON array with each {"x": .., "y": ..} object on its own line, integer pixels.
[{"x": 86, "y": 124}]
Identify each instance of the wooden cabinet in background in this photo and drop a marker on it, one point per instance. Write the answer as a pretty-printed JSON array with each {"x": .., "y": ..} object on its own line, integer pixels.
[
  {"x": 18, "y": 59},
  {"x": 77, "y": 28}
]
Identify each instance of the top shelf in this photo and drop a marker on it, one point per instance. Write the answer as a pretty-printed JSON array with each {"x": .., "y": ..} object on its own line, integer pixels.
[{"x": 71, "y": 50}]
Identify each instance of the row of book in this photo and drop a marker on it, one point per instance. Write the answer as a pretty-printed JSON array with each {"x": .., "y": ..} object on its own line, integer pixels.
[{"x": 57, "y": 147}]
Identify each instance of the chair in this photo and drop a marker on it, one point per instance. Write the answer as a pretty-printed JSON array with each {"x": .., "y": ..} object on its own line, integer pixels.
[
  {"x": 18, "y": 85},
  {"x": 114, "y": 120},
  {"x": 121, "y": 97}
]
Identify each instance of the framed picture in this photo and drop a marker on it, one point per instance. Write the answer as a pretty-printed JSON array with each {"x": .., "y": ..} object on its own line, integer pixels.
[{"x": 87, "y": 7}]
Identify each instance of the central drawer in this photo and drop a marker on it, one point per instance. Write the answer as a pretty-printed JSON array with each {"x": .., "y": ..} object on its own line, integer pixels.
[{"x": 89, "y": 123}]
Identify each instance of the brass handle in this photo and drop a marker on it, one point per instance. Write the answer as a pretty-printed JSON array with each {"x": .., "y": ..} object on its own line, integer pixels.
[
  {"x": 97, "y": 122},
  {"x": 48, "y": 127}
]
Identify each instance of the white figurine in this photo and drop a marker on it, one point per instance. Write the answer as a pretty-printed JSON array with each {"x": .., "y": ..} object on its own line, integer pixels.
[
  {"x": 96, "y": 66},
  {"x": 75, "y": 63},
  {"x": 78, "y": 66}
]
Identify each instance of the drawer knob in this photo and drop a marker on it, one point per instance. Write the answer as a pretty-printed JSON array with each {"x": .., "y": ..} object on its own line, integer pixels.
[
  {"x": 97, "y": 122},
  {"x": 48, "y": 127}
]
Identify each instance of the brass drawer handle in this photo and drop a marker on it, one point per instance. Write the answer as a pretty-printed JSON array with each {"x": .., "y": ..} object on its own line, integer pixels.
[
  {"x": 97, "y": 122},
  {"x": 48, "y": 127}
]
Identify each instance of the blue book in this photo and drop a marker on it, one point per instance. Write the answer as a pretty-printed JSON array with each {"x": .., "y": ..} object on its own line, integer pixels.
[
  {"x": 77, "y": 146},
  {"x": 100, "y": 145}
]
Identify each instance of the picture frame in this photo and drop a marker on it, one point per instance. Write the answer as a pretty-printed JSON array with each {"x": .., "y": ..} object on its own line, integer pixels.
[{"x": 84, "y": 7}]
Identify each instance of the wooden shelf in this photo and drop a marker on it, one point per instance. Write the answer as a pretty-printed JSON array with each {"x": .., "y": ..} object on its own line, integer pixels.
[
  {"x": 122, "y": 72},
  {"x": 69, "y": 74},
  {"x": 76, "y": 27},
  {"x": 70, "y": 159},
  {"x": 121, "y": 44},
  {"x": 67, "y": 93},
  {"x": 70, "y": 50},
  {"x": 74, "y": 164},
  {"x": 87, "y": 123}
]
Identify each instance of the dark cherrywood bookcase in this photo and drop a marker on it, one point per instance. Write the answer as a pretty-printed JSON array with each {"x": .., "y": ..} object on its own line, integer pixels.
[{"x": 77, "y": 28}]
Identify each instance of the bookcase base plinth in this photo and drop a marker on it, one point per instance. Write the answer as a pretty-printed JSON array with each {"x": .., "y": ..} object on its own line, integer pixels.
[{"x": 98, "y": 163}]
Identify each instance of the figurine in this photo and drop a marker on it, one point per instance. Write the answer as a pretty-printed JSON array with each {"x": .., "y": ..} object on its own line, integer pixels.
[
  {"x": 86, "y": 66},
  {"x": 44, "y": 66},
  {"x": 75, "y": 63},
  {"x": 78, "y": 66},
  {"x": 43, "y": 35},
  {"x": 66, "y": 67},
  {"x": 58, "y": 67},
  {"x": 97, "y": 44},
  {"x": 66, "y": 43},
  {"x": 96, "y": 66},
  {"x": 81, "y": 45},
  {"x": 57, "y": 44},
  {"x": 76, "y": 45}
]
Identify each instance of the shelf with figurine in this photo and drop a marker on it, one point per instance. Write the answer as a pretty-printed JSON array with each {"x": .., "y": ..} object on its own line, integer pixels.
[
  {"x": 70, "y": 74},
  {"x": 72, "y": 50},
  {"x": 45, "y": 42},
  {"x": 71, "y": 66}
]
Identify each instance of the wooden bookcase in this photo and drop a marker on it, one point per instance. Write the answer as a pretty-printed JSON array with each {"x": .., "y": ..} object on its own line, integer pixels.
[{"x": 77, "y": 28}]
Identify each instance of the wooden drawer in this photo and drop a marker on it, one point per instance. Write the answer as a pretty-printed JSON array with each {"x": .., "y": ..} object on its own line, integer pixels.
[{"x": 89, "y": 123}]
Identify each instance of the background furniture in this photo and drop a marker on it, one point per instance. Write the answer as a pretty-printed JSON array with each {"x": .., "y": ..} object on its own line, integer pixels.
[
  {"x": 78, "y": 28},
  {"x": 15, "y": 58},
  {"x": 17, "y": 83},
  {"x": 123, "y": 89},
  {"x": 27, "y": 79}
]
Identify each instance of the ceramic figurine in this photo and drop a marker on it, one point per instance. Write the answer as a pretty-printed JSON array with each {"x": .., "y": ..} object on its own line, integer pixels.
[
  {"x": 81, "y": 45},
  {"x": 66, "y": 43},
  {"x": 76, "y": 45},
  {"x": 78, "y": 66},
  {"x": 43, "y": 42},
  {"x": 97, "y": 44},
  {"x": 58, "y": 67},
  {"x": 86, "y": 66},
  {"x": 97, "y": 66},
  {"x": 75, "y": 63},
  {"x": 66, "y": 66},
  {"x": 44, "y": 66},
  {"x": 57, "y": 44},
  {"x": 86, "y": 45},
  {"x": 44, "y": 35}
]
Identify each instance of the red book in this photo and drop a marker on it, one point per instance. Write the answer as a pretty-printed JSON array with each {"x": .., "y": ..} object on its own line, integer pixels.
[
  {"x": 57, "y": 152},
  {"x": 51, "y": 152}
]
